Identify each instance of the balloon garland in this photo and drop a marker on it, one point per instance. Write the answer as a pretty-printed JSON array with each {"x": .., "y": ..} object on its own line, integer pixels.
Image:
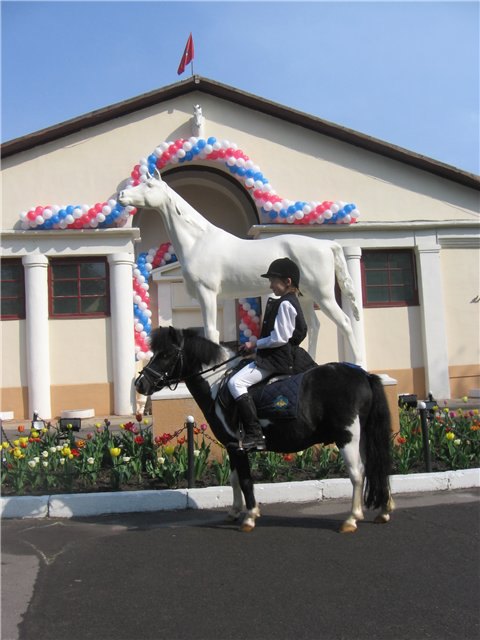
[{"x": 272, "y": 208}]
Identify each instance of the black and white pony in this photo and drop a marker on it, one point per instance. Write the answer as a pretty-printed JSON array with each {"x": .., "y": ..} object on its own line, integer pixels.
[{"x": 336, "y": 403}]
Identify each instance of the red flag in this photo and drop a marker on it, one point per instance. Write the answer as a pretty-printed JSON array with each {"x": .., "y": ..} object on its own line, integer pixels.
[{"x": 187, "y": 55}]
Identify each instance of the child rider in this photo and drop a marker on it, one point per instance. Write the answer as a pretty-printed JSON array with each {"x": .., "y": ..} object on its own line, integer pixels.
[{"x": 283, "y": 329}]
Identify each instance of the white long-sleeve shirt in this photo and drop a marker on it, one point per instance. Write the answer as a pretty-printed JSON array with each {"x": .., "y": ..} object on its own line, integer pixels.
[{"x": 283, "y": 328}]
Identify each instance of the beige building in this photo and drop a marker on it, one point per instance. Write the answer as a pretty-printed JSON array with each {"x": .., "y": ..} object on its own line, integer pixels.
[{"x": 68, "y": 324}]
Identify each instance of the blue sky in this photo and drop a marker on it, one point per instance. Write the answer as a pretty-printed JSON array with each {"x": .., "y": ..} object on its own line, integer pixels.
[{"x": 404, "y": 72}]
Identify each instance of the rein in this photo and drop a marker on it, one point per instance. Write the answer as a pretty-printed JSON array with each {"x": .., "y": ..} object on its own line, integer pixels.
[
  {"x": 154, "y": 378},
  {"x": 176, "y": 381}
]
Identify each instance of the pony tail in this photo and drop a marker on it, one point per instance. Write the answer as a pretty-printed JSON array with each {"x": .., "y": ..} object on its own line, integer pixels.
[{"x": 378, "y": 458}]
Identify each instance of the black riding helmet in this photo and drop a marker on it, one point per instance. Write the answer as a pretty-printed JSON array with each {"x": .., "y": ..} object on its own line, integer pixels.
[{"x": 284, "y": 268}]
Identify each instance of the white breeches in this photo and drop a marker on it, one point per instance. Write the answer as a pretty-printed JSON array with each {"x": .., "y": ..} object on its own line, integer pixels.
[{"x": 241, "y": 381}]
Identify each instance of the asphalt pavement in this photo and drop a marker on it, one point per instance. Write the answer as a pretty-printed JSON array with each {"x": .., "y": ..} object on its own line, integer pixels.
[{"x": 189, "y": 575}]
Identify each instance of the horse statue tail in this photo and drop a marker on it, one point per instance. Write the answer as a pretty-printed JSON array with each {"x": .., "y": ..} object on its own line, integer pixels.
[
  {"x": 345, "y": 282},
  {"x": 378, "y": 462}
]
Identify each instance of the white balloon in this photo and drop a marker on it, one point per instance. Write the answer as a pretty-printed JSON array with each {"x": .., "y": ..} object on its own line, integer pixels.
[
  {"x": 327, "y": 214},
  {"x": 334, "y": 208},
  {"x": 69, "y": 219},
  {"x": 187, "y": 146},
  {"x": 100, "y": 217}
]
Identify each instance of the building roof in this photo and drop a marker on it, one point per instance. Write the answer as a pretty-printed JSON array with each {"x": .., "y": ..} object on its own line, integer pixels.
[{"x": 250, "y": 101}]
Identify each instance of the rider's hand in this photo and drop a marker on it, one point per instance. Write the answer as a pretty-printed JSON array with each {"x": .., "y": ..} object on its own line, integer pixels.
[{"x": 247, "y": 348}]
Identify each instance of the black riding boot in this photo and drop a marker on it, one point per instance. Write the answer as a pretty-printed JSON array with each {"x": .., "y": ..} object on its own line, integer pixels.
[{"x": 254, "y": 438}]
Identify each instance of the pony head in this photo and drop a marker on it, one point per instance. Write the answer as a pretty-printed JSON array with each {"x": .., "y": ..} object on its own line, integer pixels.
[{"x": 177, "y": 354}]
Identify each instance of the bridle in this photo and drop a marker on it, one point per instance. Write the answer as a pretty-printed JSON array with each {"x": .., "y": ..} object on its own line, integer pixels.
[{"x": 171, "y": 379}]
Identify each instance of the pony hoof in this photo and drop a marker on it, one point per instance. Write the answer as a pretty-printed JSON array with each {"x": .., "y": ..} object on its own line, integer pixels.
[
  {"x": 247, "y": 527},
  {"x": 382, "y": 519},
  {"x": 347, "y": 527}
]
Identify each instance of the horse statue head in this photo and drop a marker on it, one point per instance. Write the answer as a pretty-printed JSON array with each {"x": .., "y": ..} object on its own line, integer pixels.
[{"x": 154, "y": 193}]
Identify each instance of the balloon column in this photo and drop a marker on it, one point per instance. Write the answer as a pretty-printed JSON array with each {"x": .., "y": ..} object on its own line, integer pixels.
[
  {"x": 249, "y": 314},
  {"x": 141, "y": 297},
  {"x": 272, "y": 207}
]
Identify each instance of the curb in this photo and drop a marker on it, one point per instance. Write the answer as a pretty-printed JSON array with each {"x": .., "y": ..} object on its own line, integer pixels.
[{"x": 95, "y": 504}]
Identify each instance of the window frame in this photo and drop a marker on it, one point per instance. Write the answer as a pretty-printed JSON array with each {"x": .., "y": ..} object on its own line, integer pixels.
[
  {"x": 414, "y": 302},
  {"x": 77, "y": 262},
  {"x": 22, "y": 314}
]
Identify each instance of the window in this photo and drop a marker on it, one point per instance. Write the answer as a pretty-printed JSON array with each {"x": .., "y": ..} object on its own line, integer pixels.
[
  {"x": 12, "y": 290},
  {"x": 389, "y": 278},
  {"x": 79, "y": 287}
]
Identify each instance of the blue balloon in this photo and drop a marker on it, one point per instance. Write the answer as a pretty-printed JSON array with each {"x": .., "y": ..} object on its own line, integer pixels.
[
  {"x": 211, "y": 140},
  {"x": 152, "y": 158},
  {"x": 70, "y": 209},
  {"x": 195, "y": 150},
  {"x": 189, "y": 155},
  {"x": 291, "y": 210},
  {"x": 201, "y": 143},
  {"x": 273, "y": 214},
  {"x": 284, "y": 213},
  {"x": 55, "y": 219}
]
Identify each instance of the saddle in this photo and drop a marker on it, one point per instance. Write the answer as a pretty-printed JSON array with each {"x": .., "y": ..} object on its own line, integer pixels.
[{"x": 275, "y": 397}]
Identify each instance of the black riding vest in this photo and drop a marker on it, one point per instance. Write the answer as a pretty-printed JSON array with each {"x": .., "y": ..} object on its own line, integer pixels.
[{"x": 281, "y": 359}]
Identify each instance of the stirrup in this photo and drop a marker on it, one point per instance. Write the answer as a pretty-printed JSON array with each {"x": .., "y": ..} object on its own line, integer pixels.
[{"x": 256, "y": 444}]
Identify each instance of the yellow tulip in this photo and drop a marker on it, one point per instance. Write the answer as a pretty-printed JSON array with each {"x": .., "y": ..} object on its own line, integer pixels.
[
  {"x": 5, "y": 445},
  {"x": 66, "y": 451},
  {"x": 34, "y": 434},
  {"x": 16, "y": 443},
  {"x": 115, "y": 452},
  {"x": 169, "y": 449},
  {"x": 17, "y": 453},
  {"x": 450, "y": 435}
]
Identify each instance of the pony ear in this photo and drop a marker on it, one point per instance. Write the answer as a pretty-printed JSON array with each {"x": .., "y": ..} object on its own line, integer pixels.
[
  {"x": 157, "y": 174},
  {"x": 174, "y": 335}
]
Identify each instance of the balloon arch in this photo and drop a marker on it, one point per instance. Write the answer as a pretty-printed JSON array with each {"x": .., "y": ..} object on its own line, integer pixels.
[{"x": 272, "y": 208}]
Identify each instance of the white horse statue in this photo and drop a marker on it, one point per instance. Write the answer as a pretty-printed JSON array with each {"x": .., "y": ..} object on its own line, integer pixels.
[{"x": 218, "y": 265}]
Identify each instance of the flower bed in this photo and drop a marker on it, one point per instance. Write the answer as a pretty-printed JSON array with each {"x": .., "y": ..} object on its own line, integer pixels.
[{"x": 52, "y": 460}]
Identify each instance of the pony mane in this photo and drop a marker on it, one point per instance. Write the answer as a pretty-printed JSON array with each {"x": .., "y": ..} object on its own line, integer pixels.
[{"x": 197, "y": 349}]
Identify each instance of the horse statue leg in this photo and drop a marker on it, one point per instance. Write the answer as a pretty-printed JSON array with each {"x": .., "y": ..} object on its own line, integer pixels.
[
  {"x": 313, "y": 324},
  {"x": 242, "y": 483},
  {"x": 331, "y": 309},
  {"x": 353, "y": 459},
  {"x": 208, "y": 305}
]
